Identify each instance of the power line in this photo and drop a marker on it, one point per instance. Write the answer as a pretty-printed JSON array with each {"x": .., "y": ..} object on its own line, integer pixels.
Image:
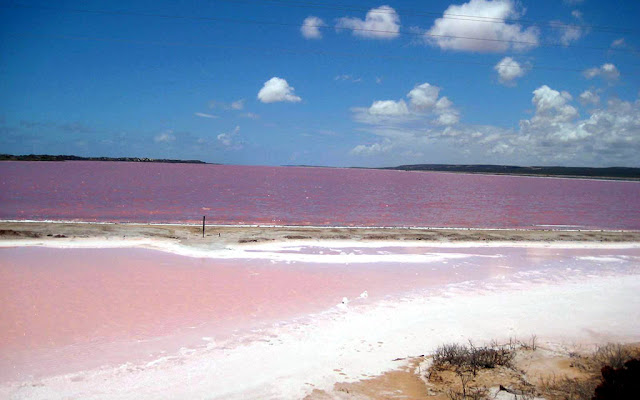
[
  {"x": 320, "y": 26},
  {"x": 292, "y": 51},
  {"x": 464, "y": 17}
]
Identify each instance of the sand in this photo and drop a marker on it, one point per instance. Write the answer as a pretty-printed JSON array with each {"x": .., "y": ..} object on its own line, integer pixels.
[{"x": 219, "y": 237}]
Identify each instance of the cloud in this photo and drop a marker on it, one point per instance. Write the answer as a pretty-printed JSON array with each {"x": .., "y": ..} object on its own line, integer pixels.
[
  {"x": 423, "y": 106},
  {"x": 165, "y": 137},
  {"x": 589, "y": 97},
  {"x": 229, "y": 139},
  {"x": 389, "y": 108},
  {"x": 509, "y": 70},
  {"x": 373, "y": 149},
  {"x": 606, "y": 132},
  {"x": 424, "y": 96},
  {"x": 454, "y": 31},
  {"x": 447, "y": 114},
  {"x": 237, "y": 105},
  {"x": 555, "y": 134},
  {"x": 551, "y": 105},
  {"x": 568, "y": 33},
  {"x": 346, "y": 77},
  {"x": 310, "y": 28},
  {"x": 205, "y": 115},
  {"x": 250, "y": 115},
  {"x": 276, "y": 90},
  {"x": 380, "y": 23},
  {"x": 618, "y": 43},
  {"x": 607, "y": 71}
]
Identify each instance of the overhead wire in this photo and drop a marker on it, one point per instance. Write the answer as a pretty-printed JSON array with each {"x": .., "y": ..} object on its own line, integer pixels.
[
  {"x": 295, "y": 51},
  {"x": 319, "y": 26},
  {"x": 464, "y": 17}
]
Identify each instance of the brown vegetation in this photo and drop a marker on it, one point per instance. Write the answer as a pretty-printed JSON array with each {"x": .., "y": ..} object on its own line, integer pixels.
[{"x": 462, "y": 372}]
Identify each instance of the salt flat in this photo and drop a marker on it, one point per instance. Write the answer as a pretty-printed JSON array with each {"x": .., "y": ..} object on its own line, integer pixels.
[{"x": 269, "y": 323}]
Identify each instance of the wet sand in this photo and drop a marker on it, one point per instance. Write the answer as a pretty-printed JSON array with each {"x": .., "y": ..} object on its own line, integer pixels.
[{"x": 218, "y": 237}]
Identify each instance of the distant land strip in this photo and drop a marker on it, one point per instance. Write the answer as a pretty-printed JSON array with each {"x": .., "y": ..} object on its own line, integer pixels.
[
  {"x": 619, "y": 173},
  {"x": 626, "y": 173},
  {"x": 47, "y": 157}
]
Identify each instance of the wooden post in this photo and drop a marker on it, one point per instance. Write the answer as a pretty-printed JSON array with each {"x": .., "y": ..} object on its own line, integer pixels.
[{"x": 203, "y": 218}]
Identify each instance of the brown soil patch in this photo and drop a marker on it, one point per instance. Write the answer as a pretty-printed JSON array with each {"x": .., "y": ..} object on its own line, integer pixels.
[{"x": 532, "y": 373}]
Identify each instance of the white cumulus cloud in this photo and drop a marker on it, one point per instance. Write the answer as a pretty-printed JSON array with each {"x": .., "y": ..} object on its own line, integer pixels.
[
  {"x": 424, "y": 96},
  {"x": 509, "y": 70},
  {"x": 277, "y": 89},
  {"x": 447, "y": 114},
  {"x": 552, "y": 105},
  {"x": 389, "y": 108},
  {"x": 607, "y": 71},
  {"x": 555, "y": 134},
  {"x": 589, "y": 97},
  {"x": 380, "y": 23},
  {"x": 310, "y": 28},
  {"x": 424, "y": 106},
  {"x": 476, "y": 34}
]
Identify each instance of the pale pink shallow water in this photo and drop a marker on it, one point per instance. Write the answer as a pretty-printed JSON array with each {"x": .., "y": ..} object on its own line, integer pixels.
[
  {"x": 66, "y": 310},
  {"x": 153, "y": 192}
]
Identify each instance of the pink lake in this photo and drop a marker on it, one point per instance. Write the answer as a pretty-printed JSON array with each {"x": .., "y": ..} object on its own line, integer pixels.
[
  {"x": 68, "y": 310},
  {"x": 183, "y": 193}
]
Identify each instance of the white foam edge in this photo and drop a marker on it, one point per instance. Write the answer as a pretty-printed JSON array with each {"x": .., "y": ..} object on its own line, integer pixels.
[{"x": 272, "y": 251}]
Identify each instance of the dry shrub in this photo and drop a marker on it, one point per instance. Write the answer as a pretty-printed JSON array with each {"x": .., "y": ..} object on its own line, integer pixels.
[
  {"x": 613, "y": 355},
  {"x": 467, "y": 392},
  {"x": 471, "y": 358},
  {"x": 474, "y": 393},
  {"x": 568, "y": 389}
]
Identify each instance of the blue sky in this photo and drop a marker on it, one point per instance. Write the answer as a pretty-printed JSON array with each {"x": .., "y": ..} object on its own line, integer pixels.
[{"x": 324, "y": 83}]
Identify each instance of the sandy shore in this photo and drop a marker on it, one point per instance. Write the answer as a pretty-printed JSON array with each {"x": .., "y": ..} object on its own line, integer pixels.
[{"x": 219, "y": 237}]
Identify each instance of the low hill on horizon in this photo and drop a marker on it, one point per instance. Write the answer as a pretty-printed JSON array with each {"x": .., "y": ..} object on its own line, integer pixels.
[{"x": 582, "y": 172}]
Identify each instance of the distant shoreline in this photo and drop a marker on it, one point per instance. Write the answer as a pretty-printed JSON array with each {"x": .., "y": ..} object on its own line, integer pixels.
[
  {"x": 601, "y": 173},
  {"x": 605, "y": 173},
  {"x": 47, "y": 157}
]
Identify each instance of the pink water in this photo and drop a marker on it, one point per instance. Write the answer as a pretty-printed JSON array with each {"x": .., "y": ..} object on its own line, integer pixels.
[
  {"x": 72, "y": 309},
  {"x": 151, "y": 192},
  {"x": 66, "y": 310}
]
